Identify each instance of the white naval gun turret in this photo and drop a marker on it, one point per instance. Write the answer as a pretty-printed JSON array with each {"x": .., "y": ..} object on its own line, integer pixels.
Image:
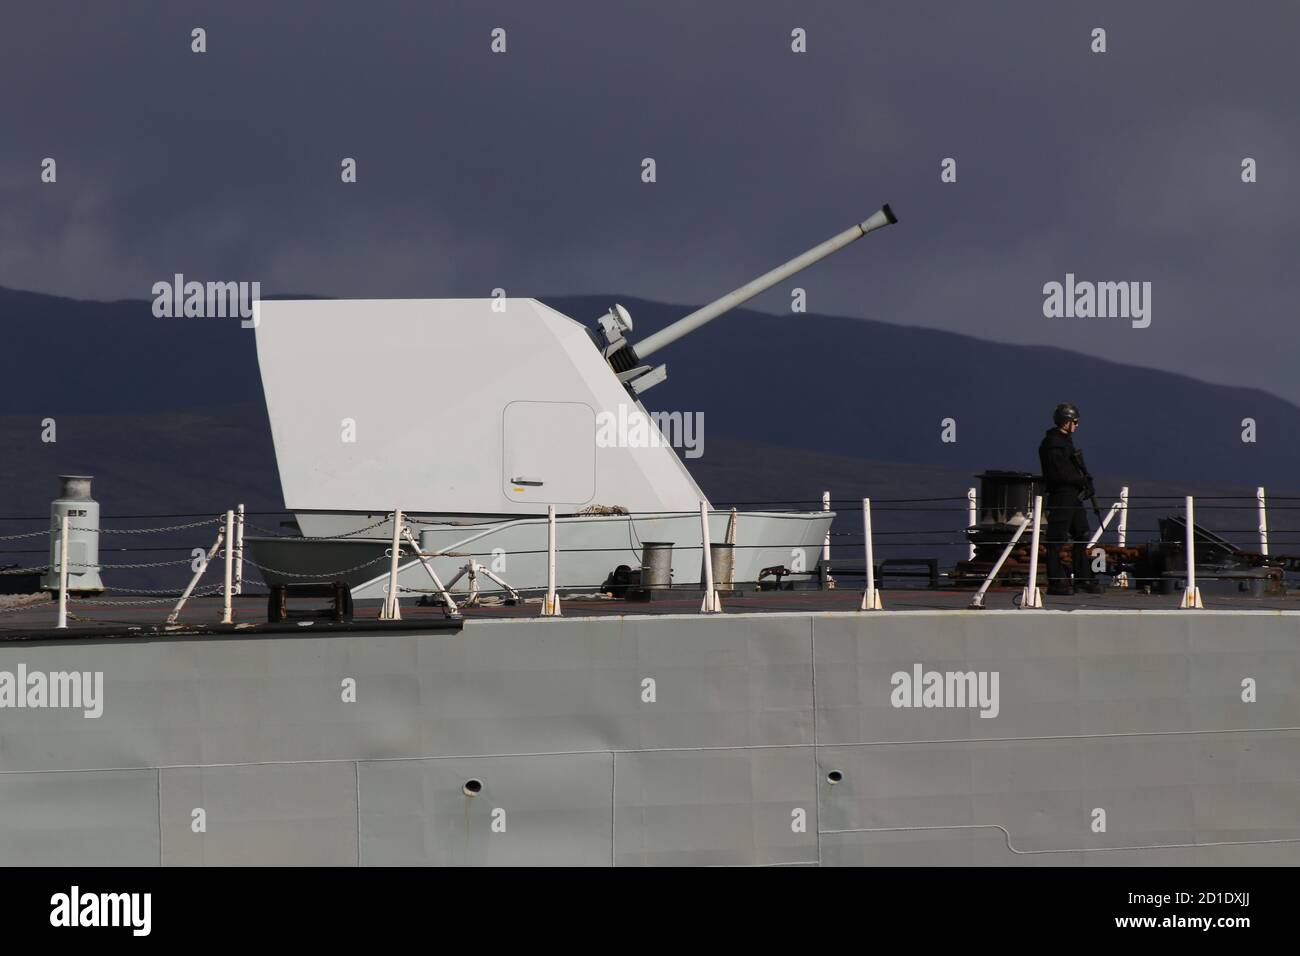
[
  {"x": 471, "y": 407},
  {"x": 474, "y": 417},
  {"x": 625, "y": 358}
]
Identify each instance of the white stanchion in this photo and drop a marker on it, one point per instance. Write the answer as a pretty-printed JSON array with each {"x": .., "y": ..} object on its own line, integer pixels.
[
  {"x": 1123, "y": 517},
  {"x": 1191, "y": 596},
  {"x": 1121, "y": 579},
  {"x": 392, "y": 608},
  {"x": 1032, "y": 596},
  {"x": 1101, "y": 528},
  {"x": 448, "y": 604},
  {"x": 239, "y": 550},
  {"x": 827, "y": 582},
  {"x": 972, "y": 518},
  {"x": 63, "y": 574},
  {"x": 551, "y": 606},
  {"x": 1263, "y": 521},
  {"x": 227, "y": 616},
  {"x": 174, "y": 616},
  {"x": 870, "y": 594},
  {"x": 977, "y": 602},
  {"x": 712, "y": 602}
]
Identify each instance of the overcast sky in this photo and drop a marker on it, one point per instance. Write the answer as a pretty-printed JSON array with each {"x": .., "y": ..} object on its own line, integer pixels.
[{"x": 522, "y": 170}]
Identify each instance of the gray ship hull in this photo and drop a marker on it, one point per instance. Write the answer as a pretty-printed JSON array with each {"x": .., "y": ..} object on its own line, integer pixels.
[{"x": 673, "y": 739}]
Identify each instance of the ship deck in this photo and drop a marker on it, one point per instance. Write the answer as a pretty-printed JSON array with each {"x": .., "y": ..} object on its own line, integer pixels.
[{"x": 107, "y": 618}]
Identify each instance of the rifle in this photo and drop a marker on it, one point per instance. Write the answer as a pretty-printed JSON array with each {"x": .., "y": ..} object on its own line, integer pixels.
[{"x": 1089, "y": 492}]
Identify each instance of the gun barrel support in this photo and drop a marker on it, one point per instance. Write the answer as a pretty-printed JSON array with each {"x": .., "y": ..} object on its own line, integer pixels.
[{"x": 690, "y": 323}]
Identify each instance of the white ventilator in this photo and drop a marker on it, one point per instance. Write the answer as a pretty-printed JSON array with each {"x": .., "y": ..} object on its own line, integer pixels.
[{"x": 82, "y": 545}]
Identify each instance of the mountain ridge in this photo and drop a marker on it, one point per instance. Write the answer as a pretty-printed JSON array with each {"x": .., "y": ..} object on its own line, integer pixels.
[{"x": 809, "y": 383}]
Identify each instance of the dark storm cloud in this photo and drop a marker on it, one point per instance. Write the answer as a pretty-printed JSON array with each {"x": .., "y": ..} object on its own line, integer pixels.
[{"x": 522, "y": 170}]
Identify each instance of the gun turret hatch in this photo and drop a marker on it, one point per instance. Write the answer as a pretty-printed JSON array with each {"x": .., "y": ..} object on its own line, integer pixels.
[{"x": 626, "y": 358}]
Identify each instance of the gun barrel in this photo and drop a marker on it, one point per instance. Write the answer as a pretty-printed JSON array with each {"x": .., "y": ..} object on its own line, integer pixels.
[{"x": 708, "y": 313}]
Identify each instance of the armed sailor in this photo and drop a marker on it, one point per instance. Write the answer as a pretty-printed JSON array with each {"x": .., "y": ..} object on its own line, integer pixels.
[{"x": 1068, "y": 486}]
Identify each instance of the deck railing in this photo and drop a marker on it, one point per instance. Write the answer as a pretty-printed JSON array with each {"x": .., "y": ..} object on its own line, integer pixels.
[{"x": 404, "y": 551}]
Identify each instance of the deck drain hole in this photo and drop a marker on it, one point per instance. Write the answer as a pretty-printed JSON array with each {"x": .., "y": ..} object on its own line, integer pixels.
[
  {"x": 834, "y": 777},
  {"x": 472, "y": 787}
]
